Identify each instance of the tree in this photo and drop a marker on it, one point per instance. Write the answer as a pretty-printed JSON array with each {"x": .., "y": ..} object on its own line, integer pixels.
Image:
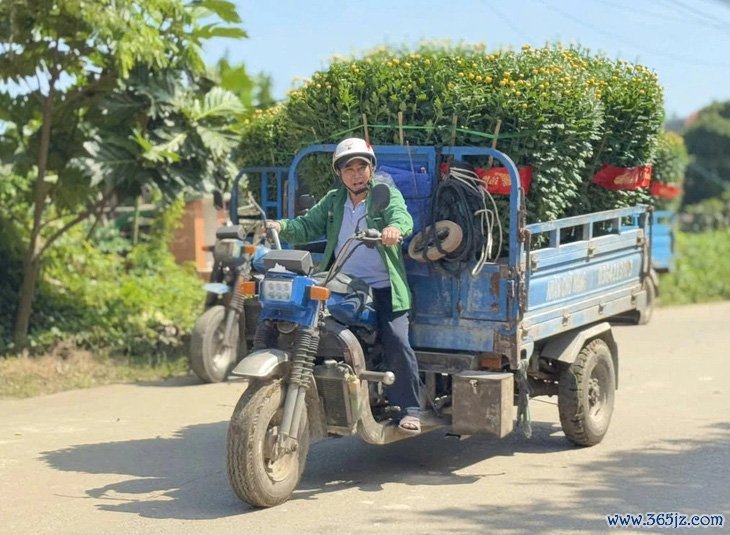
[
  {"x": 63, "y": 67},
  {"x": 708, "y": 142},
  {"x": 254, "y": 91}
]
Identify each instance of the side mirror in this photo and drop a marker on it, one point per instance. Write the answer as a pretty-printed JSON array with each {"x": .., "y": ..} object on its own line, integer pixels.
[
  {"x": 218, "y": 200},
  {"x": 305, "y": 203},
  {"x": 379, "y": 197}
]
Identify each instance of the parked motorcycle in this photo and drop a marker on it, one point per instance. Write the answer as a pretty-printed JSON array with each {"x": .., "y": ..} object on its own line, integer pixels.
[
  {"x": 315, "y": 370},
  {"x": 221, "y": 334}
]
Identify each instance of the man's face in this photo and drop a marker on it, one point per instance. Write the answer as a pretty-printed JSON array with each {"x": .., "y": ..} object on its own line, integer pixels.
[{"x": 356, "y": 174}]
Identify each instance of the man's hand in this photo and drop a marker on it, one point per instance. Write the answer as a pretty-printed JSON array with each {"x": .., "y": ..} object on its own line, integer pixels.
[
  {"x": 270, "y": 223},
  {"x": 390, "y": 236}
]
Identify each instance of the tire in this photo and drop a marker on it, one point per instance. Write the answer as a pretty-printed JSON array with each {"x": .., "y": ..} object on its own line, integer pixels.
[
  {"x": 586, "y": 393},
  {"x": 207, "y": 357},
  {"x": 644, "y": 316},
  {"x": 252, "y": 429},
  {"x": 449, "y": 235}
]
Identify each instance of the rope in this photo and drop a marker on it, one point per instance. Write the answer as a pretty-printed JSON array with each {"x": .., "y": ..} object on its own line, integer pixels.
[
  {"x": 476, "y": 133},
  {"x": 524, "y": 420}
]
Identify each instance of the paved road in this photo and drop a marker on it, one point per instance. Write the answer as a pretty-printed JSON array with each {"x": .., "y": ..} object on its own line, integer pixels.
[{"x": 150, "y": 458}]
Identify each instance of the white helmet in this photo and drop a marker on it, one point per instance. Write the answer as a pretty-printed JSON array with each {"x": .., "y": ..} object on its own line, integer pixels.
[{"x": 350, "y": 148}]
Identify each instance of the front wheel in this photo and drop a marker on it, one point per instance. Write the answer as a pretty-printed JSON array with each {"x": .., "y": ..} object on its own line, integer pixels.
[
  {"x": 257, "y": 474},
  {"x": 210, "y": 358},
  {"x": 586, "y": 394}
]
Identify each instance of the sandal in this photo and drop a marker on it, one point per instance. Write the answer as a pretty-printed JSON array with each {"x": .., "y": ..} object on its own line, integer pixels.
[{"x": 410, "y": 425}]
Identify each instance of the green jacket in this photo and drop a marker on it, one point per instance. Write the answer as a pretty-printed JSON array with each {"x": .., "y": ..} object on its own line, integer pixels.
[{"x": 325, "y": 218}]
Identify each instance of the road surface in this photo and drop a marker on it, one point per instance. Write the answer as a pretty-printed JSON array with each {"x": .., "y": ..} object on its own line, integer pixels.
[{"x": 149, "y": 458}]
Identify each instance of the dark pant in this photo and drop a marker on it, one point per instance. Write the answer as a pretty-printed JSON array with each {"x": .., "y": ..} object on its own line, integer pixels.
[{"x": 398, "y": 353}]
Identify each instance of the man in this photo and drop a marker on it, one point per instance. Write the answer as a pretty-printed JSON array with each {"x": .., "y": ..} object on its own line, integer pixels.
[{"x": 338, "y": 215}]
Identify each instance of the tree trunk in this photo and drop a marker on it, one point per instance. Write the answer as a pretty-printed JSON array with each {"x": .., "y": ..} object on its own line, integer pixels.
[
  {"x": 31, "y": 262},
  {"x": 31, "y": 268}
]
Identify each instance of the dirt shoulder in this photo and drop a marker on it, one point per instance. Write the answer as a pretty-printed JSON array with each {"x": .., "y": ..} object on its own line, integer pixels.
[{"x": 69, "y": 368}]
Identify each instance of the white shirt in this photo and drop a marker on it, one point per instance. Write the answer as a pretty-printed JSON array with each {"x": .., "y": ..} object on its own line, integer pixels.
[{"x": 364, "y": 263}]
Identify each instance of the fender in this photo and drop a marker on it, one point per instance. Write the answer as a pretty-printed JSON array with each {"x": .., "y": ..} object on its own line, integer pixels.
[
  {"x": 271, "y": 363},
  {"x": 216, "y": 288},
  {"x": 566, "y": 346},
  {"x": 263, "y": 364}
]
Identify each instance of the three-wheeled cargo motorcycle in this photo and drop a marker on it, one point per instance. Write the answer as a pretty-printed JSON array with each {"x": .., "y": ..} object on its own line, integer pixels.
[{"x": 532, "y": 322}]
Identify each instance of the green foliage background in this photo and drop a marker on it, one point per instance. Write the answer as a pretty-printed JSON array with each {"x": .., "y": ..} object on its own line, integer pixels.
[
  {"x": 708, "y": 141},
  {"x": 702, "y": 271},
  {"x": 139, "y": 304},
  {"x": 710, "y": 214}
]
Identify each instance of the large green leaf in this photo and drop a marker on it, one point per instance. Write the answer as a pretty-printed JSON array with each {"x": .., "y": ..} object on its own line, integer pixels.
[
  {"x": 219, "y": 103},
  {"x": 211, "y": 30},
  {"x": 224, "y": 9}
]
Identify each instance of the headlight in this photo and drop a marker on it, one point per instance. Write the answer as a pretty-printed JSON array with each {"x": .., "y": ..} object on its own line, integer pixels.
[
  {"x": 276, "y": 290},
  {"x": 225, "y": 249}
]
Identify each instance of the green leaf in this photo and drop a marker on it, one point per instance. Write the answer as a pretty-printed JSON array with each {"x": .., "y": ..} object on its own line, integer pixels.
[
  {"x": 223, "y": 8},
  {"x": 213, "y": 30}
]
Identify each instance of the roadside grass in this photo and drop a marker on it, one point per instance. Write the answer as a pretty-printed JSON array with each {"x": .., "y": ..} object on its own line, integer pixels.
[
  {"x": 702, "y": 272},
  {"x": 68, "y": 369}
]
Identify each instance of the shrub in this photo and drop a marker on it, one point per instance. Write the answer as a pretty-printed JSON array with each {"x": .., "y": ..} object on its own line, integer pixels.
[
  {"x": 702, "y": 271},
  {"x": 560, "y": 110},
  {"x": 141, "y": 305},
  {"x": 710, "y": 214},
  {"x": 670, "y": 164}
]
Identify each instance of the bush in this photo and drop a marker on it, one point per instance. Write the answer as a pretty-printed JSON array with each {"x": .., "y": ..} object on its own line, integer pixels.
[
  {"x": 142, "y": 305},
  {"x": 670, "y": 164},
  {"x": 710, "y": 214},
  {"x": 560, "y": 110},
  {"x": 702, "y": 271}
]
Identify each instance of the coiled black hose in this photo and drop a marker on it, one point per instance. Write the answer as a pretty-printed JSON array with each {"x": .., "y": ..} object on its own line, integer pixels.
[{"x": 460, "y": 198}]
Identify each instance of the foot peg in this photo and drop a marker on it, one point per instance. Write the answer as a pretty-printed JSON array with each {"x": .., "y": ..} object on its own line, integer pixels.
[{"x": 387, "y": 378}]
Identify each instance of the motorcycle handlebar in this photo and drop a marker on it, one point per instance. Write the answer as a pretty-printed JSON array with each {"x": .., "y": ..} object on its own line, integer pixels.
[{"x": 273, "y": 235}]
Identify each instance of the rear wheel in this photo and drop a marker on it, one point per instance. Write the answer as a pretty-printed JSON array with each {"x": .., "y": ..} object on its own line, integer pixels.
[
  {"x": 257, "y": 474},
  {"x": 644, "y": 316},
  {"x": 210, "y": 358},
  {"x": 586, "y": 393}
]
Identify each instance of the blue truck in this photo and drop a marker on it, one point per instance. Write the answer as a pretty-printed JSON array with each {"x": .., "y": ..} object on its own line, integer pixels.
[
  {"x": 535, "y": 321},
  {"x": 662, "y": 241}
]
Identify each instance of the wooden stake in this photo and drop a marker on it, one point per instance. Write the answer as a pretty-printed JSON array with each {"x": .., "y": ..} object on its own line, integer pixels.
[
  {"x": 494, "y": 141},
  {"x": 453, "y": 129},
  {"x": 400, "y": 127},
  {"x": 365, "y": 127}
]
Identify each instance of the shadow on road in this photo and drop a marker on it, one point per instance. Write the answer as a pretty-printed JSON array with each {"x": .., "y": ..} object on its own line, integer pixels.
[
  {"x": 184, "y": 477},
  {"x": 688, "y": 476},
  {"x": 180, "y": 477},
  {"x": 430, "y": 459}
]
